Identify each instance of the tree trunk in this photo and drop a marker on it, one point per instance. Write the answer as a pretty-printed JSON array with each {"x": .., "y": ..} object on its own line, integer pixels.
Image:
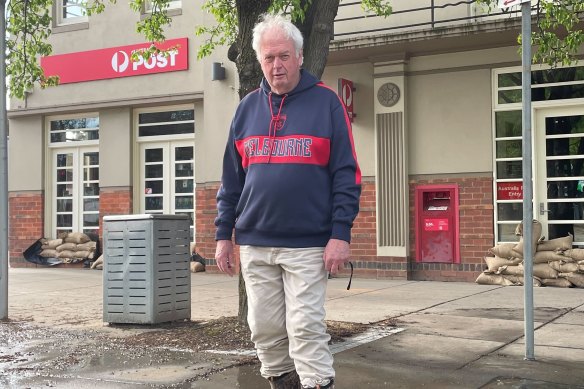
[
  {"x": 317, "y": 30},
  {"x": 250, "y": 75}
]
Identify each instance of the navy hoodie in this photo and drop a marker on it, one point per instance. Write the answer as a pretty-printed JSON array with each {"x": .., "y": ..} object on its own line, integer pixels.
[{"x": 290, "y": 173}]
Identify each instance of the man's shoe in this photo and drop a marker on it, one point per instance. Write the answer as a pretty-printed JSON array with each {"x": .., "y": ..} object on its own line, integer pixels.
[
  {"x": 330, "y": 385},
  {"x": 288, "y": 380}
]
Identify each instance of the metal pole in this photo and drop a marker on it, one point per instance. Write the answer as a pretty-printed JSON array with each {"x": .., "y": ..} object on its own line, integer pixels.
[
  {"x": 3, "y": 170},
  {"x": 527, "y": 182}
]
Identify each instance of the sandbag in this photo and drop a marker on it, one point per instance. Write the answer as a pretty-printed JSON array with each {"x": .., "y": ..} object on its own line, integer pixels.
[
  {"x": 492, "y": 279},
  {"x": 547, "y": 256},
  {"x": 558, "y": 244},
  {"x": 65, "y": 254},
  {"x": 542, "y": 270},
  {"x": 576, "y": 254},
  {"x": 67, "y": 247},
  {"x": 76, "y": 237},
  {"x": 88, "y": 246},
  {"x": 98, "y": 263},
  {"x": 575, "y": 278},
  {"x": 81, "y": 254},
  {"x": 503, "y": 250},
  {"x": 52, "y": 244},
  {"x": 494, "y": 263},
  {"x": 535, "y": 235},
  {"x": 511, "y": 270},
  {"x": 518, "y": 280},
  {"x": 557, "y": 282},
  {"x": 564, "y": 267},
  {"x": 197, "y": 267},
  {"x": 49, "y": 253}
]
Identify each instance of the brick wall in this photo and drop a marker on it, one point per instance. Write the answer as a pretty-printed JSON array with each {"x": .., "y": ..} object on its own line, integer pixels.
[
  {"x": 476, "y": 230},
  {"x": 205, "y": 219},
  {"x": 363, "y": 246},
  {"x": 114, "y": 201},
  {"x": 26, "y": 212}
]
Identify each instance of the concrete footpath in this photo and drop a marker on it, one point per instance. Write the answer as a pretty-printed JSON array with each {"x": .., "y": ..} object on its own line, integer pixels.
[{"x": 451, "y": 335}]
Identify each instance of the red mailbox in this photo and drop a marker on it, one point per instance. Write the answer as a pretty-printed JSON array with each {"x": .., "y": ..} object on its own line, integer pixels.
[{"x": 437, "y": 231}]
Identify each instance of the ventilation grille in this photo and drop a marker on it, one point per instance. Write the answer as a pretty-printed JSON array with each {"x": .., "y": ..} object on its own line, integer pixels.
[{"x": 391, "y": 181}]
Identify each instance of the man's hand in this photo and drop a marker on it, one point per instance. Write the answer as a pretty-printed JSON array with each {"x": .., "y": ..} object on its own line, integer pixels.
[
  {"x": 336, "y": 254},
  {"x": 224, "y": 257}
]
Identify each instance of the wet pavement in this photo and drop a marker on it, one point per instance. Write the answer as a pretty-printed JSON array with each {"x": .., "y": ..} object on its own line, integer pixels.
[{"x": 449, "y": 335}]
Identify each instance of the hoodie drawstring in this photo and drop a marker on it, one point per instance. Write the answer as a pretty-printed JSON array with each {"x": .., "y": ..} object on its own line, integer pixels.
[{"x": 273, "y": 123}]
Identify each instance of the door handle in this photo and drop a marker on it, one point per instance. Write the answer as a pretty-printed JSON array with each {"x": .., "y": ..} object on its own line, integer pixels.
[{"x": 542, "y": 209}]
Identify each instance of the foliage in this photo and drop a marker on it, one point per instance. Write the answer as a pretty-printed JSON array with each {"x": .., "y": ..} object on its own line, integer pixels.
[
  {"x": 556, "y": 37},
  {"x": 224, "y": 32},
  {"x": 29, "y": 24}
]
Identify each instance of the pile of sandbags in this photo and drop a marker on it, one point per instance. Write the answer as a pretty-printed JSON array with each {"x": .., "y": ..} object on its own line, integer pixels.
[
  {"x": 72, "y": 247},
  {"x": 555, "y": 262}
]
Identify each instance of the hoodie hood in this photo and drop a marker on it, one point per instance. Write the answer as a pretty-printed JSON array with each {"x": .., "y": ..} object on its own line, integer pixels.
[{"x": 307, "y": 81}]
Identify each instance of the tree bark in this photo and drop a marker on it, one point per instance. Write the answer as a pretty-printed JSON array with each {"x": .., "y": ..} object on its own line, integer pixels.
[
  {"x": 317, "y": 30},
  {"x": 250, "y": 75}
]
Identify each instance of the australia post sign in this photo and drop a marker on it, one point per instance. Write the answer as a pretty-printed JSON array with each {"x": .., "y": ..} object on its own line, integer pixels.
[{"x": 115, "y": 62}]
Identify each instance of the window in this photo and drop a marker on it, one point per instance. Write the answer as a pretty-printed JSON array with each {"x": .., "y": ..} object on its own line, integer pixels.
[
  {"x": 172, "y": 4},
  {"x": 558, "y": 153},
  {"x": 71, "y": 11}
]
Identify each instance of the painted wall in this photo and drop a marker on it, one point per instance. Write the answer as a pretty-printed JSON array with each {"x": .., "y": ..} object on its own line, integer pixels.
[
  {"x": 449, "y": 138},
  {"x": 364, "y": 122},
  {"x": 115, "y": 147},
  {"x": 26, "y": 154}
]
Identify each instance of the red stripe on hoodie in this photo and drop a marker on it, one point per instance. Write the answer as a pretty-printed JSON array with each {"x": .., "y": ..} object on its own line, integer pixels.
[{"x": 301, "y": 149}]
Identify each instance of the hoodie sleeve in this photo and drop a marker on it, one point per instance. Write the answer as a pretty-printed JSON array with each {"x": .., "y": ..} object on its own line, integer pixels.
[
  {"x": 232, "y": 181},
  {"x": 345, "y": 173}
]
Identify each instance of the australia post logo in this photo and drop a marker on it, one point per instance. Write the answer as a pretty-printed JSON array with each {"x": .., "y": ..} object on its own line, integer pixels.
[
  {"x": 122, "y": 61},
  {"x": 117, "y": 62}
]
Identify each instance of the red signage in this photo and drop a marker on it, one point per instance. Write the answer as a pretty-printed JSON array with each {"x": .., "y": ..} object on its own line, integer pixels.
[
  {"x": 510, "y": 190},
  {"x": 115, "y": 62},
  {"x": 435, "y": 224},
  {"x": 346, "y": 92}
]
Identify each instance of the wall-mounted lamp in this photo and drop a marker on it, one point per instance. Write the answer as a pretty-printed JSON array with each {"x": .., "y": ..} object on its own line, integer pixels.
[{"x": 217, "y": 72}]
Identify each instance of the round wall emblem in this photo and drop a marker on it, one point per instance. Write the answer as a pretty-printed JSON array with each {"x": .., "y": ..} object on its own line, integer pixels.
[{"x": 388, "y": 94}]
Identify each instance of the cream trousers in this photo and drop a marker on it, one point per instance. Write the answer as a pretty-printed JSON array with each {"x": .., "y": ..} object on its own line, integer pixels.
[{"x": 286, "y": 290}]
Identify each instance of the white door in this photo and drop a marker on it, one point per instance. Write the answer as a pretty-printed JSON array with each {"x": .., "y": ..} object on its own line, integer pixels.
[
  {"x": 559, "y": 184},
  {"x": 75, "y": 190},
  {"x": 167, "y": 181}
]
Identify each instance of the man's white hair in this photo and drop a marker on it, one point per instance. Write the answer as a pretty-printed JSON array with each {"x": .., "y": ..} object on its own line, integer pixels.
[{"x": 269, "y": 22}]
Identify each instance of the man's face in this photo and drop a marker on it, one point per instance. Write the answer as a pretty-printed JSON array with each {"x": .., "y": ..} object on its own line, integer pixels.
[{"x": 280, "y": 65}]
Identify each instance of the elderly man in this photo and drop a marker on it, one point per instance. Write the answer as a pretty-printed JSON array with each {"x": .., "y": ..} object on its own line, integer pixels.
[{"x": 290, "y": 188}]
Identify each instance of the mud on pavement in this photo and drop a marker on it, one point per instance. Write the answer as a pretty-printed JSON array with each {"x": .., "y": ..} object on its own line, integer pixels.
[
  {"x": 33, "y": 356},
  {"x": 171, "y": 354}
]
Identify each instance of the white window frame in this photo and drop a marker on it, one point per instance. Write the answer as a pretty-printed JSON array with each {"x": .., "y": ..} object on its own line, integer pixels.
[
  {"x": 172, "y": 4},
  {"x": 161, "y": 141},
  {"x": 499, "y": 107},
  {"x": 78, "y": 147},
  {"x": 60, "y": 6}
]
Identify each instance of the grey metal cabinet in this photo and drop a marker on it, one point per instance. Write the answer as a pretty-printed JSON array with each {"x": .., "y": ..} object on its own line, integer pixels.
[{"x": 146, "y": 271}]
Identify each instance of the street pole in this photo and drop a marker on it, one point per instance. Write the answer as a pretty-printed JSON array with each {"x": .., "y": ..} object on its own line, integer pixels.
[
  {"x": 527, "y": 181},
  {"x": 3, "y": 170}
]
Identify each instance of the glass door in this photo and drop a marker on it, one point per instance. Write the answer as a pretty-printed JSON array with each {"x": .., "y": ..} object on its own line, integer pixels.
[
  {"x": 75, "y": 190},
  {"x": 560, "y": 172},
  {"x": 167, "y": 178}
]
